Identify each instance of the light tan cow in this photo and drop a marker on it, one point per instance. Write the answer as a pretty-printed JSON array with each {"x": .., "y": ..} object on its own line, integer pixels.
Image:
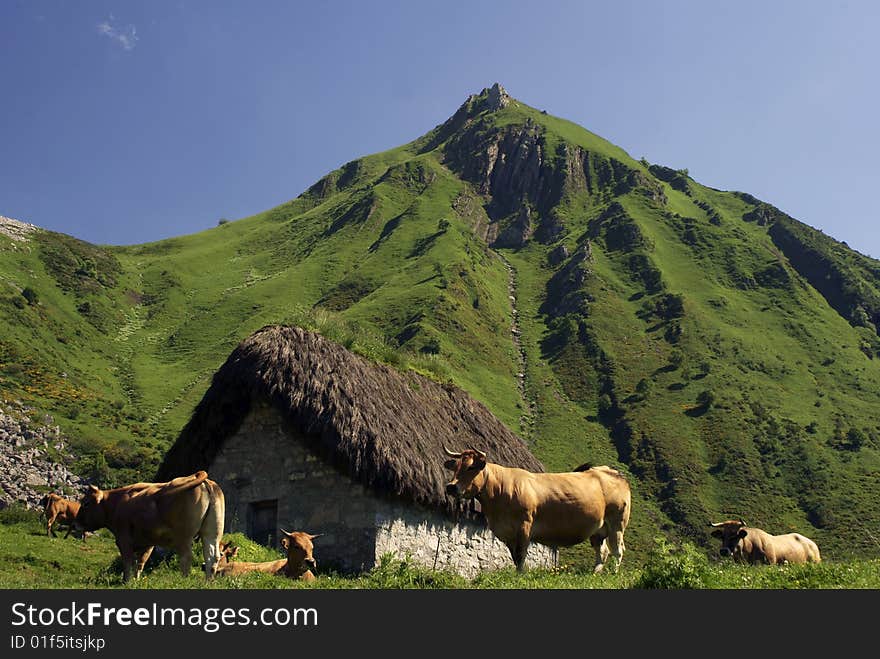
[
  {"x": 59, "y": 510},
  {"x": 170, "y": 514},
  {"x": 298, "y": 565},
  {"x": 554, "y": 509},
  {"x": 748, "y": 544}
]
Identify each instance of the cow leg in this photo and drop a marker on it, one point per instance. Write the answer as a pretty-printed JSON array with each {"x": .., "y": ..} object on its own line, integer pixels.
[
  {"x": 49, "y": 524},
  {"x": 126, "y": 551},
  {"x": 615, "y": 539},
  {"x": 142, "y": 556},
  {"x": 602, "y": 552},
  {"x": 186, "y": 557},
  {"x": 69, "y": 529},
  {"x": 211, "y": 554},
  {"x": 519, "y": 549}
]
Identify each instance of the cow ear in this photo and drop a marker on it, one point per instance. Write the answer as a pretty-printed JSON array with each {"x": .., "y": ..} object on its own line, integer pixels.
[
  {"x": 742, "y": 533},
  {"x": 451, "y": 464},
  {"x": 716, "y": 533},
  {"x": 285, "y": 542}
]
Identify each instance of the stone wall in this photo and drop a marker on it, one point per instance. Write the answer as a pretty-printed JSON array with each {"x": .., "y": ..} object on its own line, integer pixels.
[
  {"x": 437, "y": 543},
  {"x": 266, "y": 460}
]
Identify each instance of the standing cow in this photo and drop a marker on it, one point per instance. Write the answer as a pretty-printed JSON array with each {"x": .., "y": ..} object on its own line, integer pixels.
[
  {"x": 59, "y": 510},
  {"x": 747, "y": 544},
  {"x": 169, "y": 514},
  {"x": 557, "y": 509}
]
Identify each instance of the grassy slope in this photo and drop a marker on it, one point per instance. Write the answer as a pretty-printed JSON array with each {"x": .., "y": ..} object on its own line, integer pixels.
[{"x": 381, "y": 256}]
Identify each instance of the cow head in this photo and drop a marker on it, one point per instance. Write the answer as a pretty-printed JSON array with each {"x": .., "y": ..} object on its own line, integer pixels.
[
  {"x": 298, "y": 546},
  {"x": 731, "y": 534},
  {"x": 467, "y": 468},
  {"x": 228, "y": 551},
  {"x": 91, "y": 515}
]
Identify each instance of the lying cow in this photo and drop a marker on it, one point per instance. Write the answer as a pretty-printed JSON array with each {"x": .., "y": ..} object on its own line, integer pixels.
[
  {"x": 557, "y": 509},
  {"x": 745, "y": 543},
  {"x": 170, "y": 514},
  {"x": 298, "y": 565},
  {"x": 59, "y": 510}
]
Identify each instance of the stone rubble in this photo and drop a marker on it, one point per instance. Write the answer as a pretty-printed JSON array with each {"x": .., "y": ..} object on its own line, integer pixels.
[{"x": 28, "y": 469}]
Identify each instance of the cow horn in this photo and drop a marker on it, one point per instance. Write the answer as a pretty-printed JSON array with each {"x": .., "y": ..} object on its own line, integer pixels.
[
  {"x": 742, "y": 522},
  {"x": 451, "y": 454},
  {"x": 287, "y": 533},
  {"x": 480, "y": 453},
  {"x": 317, "y": 535},
  {"x": 716, "y": 524}
]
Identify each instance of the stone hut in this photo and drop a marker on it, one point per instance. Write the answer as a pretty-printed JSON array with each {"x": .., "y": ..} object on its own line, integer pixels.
[{"x": 302, "y": 434}]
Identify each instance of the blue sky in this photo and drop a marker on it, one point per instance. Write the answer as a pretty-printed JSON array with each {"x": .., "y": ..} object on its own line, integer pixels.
[{"x": 126, "y": 122}]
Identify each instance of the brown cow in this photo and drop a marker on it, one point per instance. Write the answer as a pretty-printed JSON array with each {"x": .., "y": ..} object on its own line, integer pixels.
[
  {"x": 298, "y": 565},
  {"x": 556, "y": 509},
  {"x": 747, "y": 544},
  {"x": 170, "y": 514},
  {"x": 58, "y": 509}
]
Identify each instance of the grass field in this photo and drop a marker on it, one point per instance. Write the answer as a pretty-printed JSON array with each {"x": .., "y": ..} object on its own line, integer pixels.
[{"x": 30, "y": 560}]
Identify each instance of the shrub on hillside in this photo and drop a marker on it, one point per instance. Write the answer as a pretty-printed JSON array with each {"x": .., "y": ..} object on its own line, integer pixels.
[
  {"x": 30, "y": 295},
  {"x": 670, "y": 567},
  {"x": 706, "y": 399}
]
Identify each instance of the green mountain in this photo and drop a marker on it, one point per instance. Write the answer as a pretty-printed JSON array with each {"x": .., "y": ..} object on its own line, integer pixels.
[{"x": 606, "y": 309}]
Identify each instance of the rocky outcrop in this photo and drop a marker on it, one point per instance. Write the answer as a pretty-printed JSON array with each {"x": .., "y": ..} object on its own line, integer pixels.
[
  {"x": 509, "y": 167},
  {"x": 16, "y": 229},
  {"x": 564, "y": 290},
  {"x": 515, "y": 231},
  {"x": 523, "y": 184},
  {"x": 763, "y": 215},
  {"x": 557, "y": 255},
  {"x": 34, "y": 459},
  {"x": 496, "y": 98}
]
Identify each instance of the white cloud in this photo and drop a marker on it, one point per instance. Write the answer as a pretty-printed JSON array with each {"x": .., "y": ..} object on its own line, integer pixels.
[{"x": 126, "y": 36}]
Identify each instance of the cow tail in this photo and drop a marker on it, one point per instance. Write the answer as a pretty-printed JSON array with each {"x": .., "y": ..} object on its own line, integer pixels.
[{"x": 184, "y": 483}]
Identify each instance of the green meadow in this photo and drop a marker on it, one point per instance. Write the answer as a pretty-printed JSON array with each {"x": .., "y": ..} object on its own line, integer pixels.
[{"x": 33, "y": 560}]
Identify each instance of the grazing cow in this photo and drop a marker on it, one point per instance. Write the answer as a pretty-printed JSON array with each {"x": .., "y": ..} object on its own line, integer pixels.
[
  {"x": 58, "y": 509},
  {"x": 298, "y": 565},
  {"x": 170, "y": 514},
  {"x": 747, "y": 544},
  {"x": 557, "y": 509}
]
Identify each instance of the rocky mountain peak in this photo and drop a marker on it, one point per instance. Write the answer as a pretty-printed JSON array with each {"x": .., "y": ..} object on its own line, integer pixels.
[
  {"x": 492, "y": 99},
  {"x": 496, "y": 97}
]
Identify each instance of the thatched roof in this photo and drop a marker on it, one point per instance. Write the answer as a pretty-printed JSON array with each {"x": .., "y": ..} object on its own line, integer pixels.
[{"x": 383, "y": 428}]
